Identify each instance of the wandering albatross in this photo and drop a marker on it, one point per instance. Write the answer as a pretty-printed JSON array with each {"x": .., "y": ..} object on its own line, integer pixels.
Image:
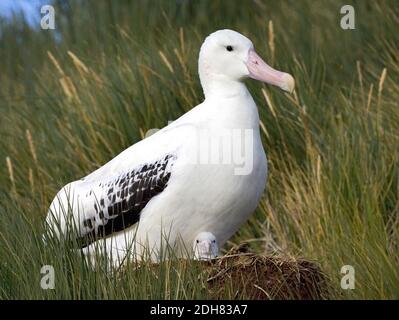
[
  {"x": 176, "y": 183},
  {"x": 205, "y": 246}
]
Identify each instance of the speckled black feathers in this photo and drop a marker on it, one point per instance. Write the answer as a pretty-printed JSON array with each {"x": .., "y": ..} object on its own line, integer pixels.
[{"x": 122, "y": 199}]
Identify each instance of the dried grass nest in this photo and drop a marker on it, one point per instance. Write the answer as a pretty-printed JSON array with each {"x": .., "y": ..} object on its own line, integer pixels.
[
  {"x": 248, "y": 275},
  {"x": 240, "y": 274}
]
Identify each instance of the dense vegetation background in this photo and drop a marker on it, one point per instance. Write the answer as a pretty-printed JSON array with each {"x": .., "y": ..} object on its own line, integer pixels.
[{"x": 73, "y": 98}]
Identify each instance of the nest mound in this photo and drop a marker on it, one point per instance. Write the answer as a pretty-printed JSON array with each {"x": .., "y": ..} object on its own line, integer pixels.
[
  {"x": 240, "y": 274},
  {"x": 253, "y": 276}
]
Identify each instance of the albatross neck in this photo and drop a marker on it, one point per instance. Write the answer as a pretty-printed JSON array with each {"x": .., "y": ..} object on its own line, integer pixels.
[{"x": 223, "y": 88}]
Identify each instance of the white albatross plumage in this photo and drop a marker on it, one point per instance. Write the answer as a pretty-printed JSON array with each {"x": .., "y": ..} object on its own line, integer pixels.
[
  {"x": 161, "y": 186},
  {"x": 205, "y": 246}
]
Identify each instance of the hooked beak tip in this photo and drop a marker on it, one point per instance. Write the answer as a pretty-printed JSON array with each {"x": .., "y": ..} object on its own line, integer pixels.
[{"x": 288, "y": 83}]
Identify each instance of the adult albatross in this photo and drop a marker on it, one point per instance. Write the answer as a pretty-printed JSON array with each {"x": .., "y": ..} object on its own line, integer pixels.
[{"x": 204, "y": 171}]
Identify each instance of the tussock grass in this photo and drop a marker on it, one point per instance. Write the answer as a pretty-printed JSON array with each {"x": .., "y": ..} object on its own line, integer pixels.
[{"x": 71, "y": 100}]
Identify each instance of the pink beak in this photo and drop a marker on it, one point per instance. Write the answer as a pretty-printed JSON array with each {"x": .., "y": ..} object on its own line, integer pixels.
[{"x": 260, "y": 70}]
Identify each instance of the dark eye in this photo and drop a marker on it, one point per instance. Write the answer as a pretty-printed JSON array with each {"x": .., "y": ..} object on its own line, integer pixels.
[
  {"x": 229, "y": 48},
  {"x": 213, "y": 241},
  {"x": 197, "y": 241}
]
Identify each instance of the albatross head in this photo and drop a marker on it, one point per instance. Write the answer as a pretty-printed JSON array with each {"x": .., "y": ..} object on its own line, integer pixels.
[
  {"x": 205, "y": 246},
  {"x": 227, "y": 56}
]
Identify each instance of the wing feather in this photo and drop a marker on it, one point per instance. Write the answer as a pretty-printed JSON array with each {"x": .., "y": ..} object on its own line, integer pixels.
[{"x": 116, "y": 203}]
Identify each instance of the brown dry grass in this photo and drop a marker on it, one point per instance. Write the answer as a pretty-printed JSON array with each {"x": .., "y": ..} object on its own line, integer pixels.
[{"x": 260, "y": 277}]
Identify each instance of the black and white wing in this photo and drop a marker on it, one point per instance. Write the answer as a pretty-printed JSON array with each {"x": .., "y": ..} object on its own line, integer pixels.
[{"x": 116, "y": 203}]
